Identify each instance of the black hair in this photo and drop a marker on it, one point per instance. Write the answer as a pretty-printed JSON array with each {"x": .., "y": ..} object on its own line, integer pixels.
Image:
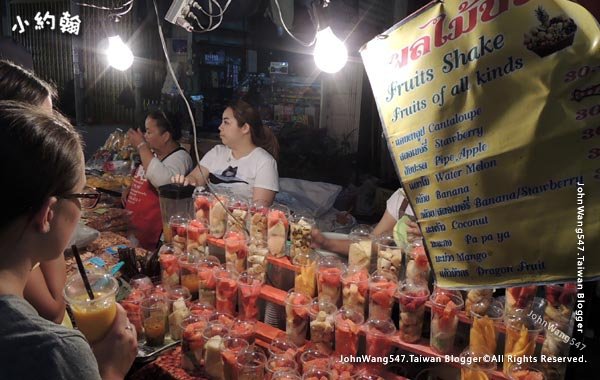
[
  {"x": 167, "y": 122},
  {"x": 262, "y": 136},
  {"x": 16, "y": 83},
  {"x": 42, "y": 156}
]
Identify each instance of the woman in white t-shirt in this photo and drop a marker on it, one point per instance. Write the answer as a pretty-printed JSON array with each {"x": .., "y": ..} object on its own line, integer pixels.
[{"x": 246, "y": 162}]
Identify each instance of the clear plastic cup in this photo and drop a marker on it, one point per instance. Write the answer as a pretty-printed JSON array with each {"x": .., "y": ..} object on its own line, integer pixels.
[
  {"x": 526, "y": 371},
  {"x": 178, "y": 227},
  {"x": 236, "y": 251},
  {"x": 483, "y": 337},
  {"x": 176, "y": 292},
  {"x": 286, "y": 375},
  {"x": 257, "y": 258},
  {"x": 412, "y": 299},
  {"x": 282, "y": 346},
  {"x": 474, "y": 367},
  {"x": 251, "y": 364},
  {"x": 168, "y": 257},
  {"x": 178, "y": 298},
  {"x": 329, "y": 279},
  {"x": 378, "y": 333},
  {"x": 133, "y": 307},
  {"x": 217, "y": 219},
  {"x": 355, "y": 289},
  {"x": 142, "y": 283},
  {"x": 296, "y": 322},
  {"x": 93, "y": 317},
  {"x": 227, "y": 289},
  {"x": 249, "y": 292},
  {"x": 556, "y": 344},
  {"x": 259, "y": 210},
  {"x": 444, "y": 320},
  {"x": 212, "y": 337},
  {"x": 225, "y": 319},
  {"x": 560, "y": 300},
  {"x": 197, "y": 233},
  {"x": 317, "y": 373},
  {"x": 230, "y": 349},
  {"x": 348, "y": 324},
  {"x": 188, "y": 272},
  {"x": 322, "y": 322},
  {"x": 243, "y": 330},
  {"x": 478, "y": 301},
  {"x": 382, "y": 288},
  {"x": 315, "y": 359},
  {"x": 301, "y": 227},
  {"x": 389, "y": 255},
  {"x": 154, "y": 311},
  {"x": 277, "y": 363},
  {"x": 521, "y": 334},
  {"x": 277, "y": 230},
  {"x": 207, "y": 281},
  {"x": 202, "y": 202},
  {"x": 201, "y": 309},
  {"x": 368, "y": 374},
  {"x": 238, "y": 215},
  {"x": 192, "y": 342},
  {"x": 519, "y": 297},
  {"x": 417, "y": 264},
  {"x": 305, "y": 280},
  {"x": 341, "y": 370},
  {"x": 360, "y": 251}
]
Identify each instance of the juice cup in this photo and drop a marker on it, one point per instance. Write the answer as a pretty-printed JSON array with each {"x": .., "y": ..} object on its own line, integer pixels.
[
  {"x": 382, "y": 288},
  {"x": 277, "y": 229},
  {"x": 412, "y": 299},
  {"x": 521, "y": 334},
  {"x": 238, "y": 215},
  {"x": 389, "y": 255},
  {"x": 360, "y": 251},
  {"x": 417, "y": 264},
  {"x": 305, "y": 280},
  {"x": 236, "y": 251},
  {"x": 444, "y": 320},
  {"x": 301, "y": 227},
  {"x": 519, "y": 297},
  {"x": 202, "y": 201},
  {"x": 93, "y": 317},
  {"x": 259, "y": 211},
  {"x": 278, "y": 363},
  {"x": 212, "y": 337},
  {"x": 474, "y": 368},
  {"x": 257, "y": 258},
  {"x": 168, "y": 257},
  {"x": 188, "y": 272},
  {"x": 178, "y": 227},
  {"x": 192, "y": 343},
  {"x": 251, "y": 364},
  {"x": 249, "y": 291},
  {"x": 217, "y": 219},
  {"x": 296, "y": 311},
  {"x": 329, "y": 279},
  {"x": 378, "y": 333},
  {"x": 207, "y": 282},
  {"x": 478, "y": 301},
  {"x": 154, "y": 310},
  {"x": 560, "y": 300},
  {"x": 230, "y": 349},
  {"x": 348, "y": 323},
  {"x": 483, "y": 337},
  {"x": 322, "y": 314},
  {"x": 227, "y": 290},
  {"x": 197, "y": 233},
  {"x": 355, "y": 289}
]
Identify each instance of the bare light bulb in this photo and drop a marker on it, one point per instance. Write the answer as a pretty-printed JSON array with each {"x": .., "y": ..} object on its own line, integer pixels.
[
  {"x": 119, "y": 55},
  {"x": 330, "y": 52}
]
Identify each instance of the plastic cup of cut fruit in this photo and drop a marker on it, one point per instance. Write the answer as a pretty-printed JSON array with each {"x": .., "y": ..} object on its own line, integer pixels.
[
  {"x": 526, "y": 371},
  {"x": 142, "y": 283},
  {"x": 317, "y": 374},
  {"x": 348, "y": 323},
  {"x": 154, "y": 311},
  {"x": 360, "y": 251},
  {"x": 197, "y": 233},
  {"x": 315, "y": 359},
  {"x": 251, "y": 364},
  {"x": 188, "y": 272},
  {"x": 296, "y": 322},
  {"x": 322, "y": 322},
  {"x": 277, "y": 229},
  {"x": 444, "y": 320},
  {"x": 243, "y": 330},
  {"x": 132, "y": 305},
  {"x": 201, "y": 309},
  {"x": 249, "y": 292},
  {"x": 225, "y": 319},
  {"x": 329, "y": 279},
  {"x": 412, "y": 299},
  {"x": 282, "y": 346},
  {"x": 168, "y": 257},
  {"x": 301, "y": 227},
  {"x": 227, "y": 289},
  {"x": 207, "y": 281},
  {"x": 417, "y": 264},
  {"x": 382, "y": 288},
  {"x": 212, "y": 336},
  {"x": 519, "y": 297},
  {"x": 485, "y": 328},
  {"x": 341, "y": 370},
  {"x": 178, "y": 227},
  {"x": 521, "y": 334},
  {"x": 279, "y": 363},
  {"x": 473, "y": 367},
  {"x": 217, "y": 218},
  {"x": 355, "y": 289},
  {"x": 257, "y": 258},
  {"x": 286, "y": 375},
  {"x": 378, "y": 334},
  {"x": 230, "y": 349},
  {"x": 259, "y": 211},
  {"x": 236, "y": 251},
  {"x": 389, "y": 255},
  {"x": 192, "y": 343},
  {"x": 202, "y": 201},
  {"x": 176, "y": 292},
  {"x": 560, "y": 300},
  {"x": 238, "y": 214},
  {"x": 305, "y": 280}
]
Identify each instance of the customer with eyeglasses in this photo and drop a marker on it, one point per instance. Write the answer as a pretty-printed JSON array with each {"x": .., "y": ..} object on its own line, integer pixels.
[{"x": 42, "y": 155}]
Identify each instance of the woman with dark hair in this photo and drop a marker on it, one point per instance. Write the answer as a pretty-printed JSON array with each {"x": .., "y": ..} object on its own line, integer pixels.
[
  {"x": 22, "y": 85},
  {"x": 162, "y": 158},
  {"x": 43, "y": 207},
  {"x": 246, "y": 162}
]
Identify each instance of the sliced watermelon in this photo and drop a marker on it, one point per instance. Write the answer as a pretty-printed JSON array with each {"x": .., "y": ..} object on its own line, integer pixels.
[{"x": 330, "y": 276}]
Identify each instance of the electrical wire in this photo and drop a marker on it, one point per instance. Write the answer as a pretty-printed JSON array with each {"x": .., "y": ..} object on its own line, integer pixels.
[
  {"x": 307, "y": 44},
  {"x": 211, "y": 27},
  {"x": 128, "y": 3}
]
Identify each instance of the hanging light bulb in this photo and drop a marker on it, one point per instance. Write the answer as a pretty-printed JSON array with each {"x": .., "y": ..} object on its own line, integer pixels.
[
  {"x": 330, "y": 52},
  {"x": 119, "y": 55}
]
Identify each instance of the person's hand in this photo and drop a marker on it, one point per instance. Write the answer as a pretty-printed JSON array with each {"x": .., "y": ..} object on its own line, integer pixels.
[
  {"x": 136, "y": 137},
  {"x": 180, "y": 179},
  {"x": 117, "y": 350},
  {"x": 318, "y": 240},
  {"x": 413, "y": 232}
]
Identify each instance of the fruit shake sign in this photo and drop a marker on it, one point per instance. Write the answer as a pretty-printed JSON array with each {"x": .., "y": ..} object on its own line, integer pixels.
[{"x": 492, "y": 113}]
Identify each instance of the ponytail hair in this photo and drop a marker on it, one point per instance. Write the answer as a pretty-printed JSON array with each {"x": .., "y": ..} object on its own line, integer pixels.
[{"x": 262, "y": 136}]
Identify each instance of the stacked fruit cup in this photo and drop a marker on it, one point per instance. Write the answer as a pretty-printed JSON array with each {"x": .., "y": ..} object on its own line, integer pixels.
[
  {"x": 212, "y": 336},
  {"x": 238, "y": 215},
  {"x": 305, "y": 279},
  {"x": 296, "y": 311},
  {"x": 478, "y": 300},
  {"x": 132, "y": 305},
  {"x": 417, "y": 264},
  {"x": 188, "y": 272},
  {"x": 556, "y": 345},
  {"x": 521, "y": 334},
  {"x": 201, "y": 309},
  {"x": 483, "y": 337},
  {"x": 197, "y": 233},
  {"x": 382, "y": 288},
  {"x": 316, "y": 373},
  {"x": 329, "y": 279},
  {"x": 286, "y": 375},
  {"x": 217, "y": 218},
  {"x": 243, "y": 329},
  {"x": 236, "y": 251},
  {"x": 225, "y": 319},
  {"x": 178, "y": 227},
  {"x": 280, "y": 363},
  {"x": 280, "y": 345},
  {"x": 348, "y": 323},
  {"x": 230, "y": 349},
  {"x": 192, "y": 343},
  {"x": 474, "y": 367},
  {"x": 154, "y": 311},
  {"x": 249, "y": 292},
  {"x": 259, "y": 211},
  {"x": 378, "y": 333},
  {"x": 412, "y": 299},
  {"x": 301, "y": 227},
  {"x": 168, "y": 257},
  {"x": 207, "y": 281},
  {"x": 355, "y": 289},
  {"x": 560, "y": 302},
  {"x": 444, "y": 320},
  {"x": 142, "y": 283},
  {"x": 202, "y": 202},
  {"x": 519, "y": 298},
  {"x": 178, "y": 296},
  {"x": 389, "y": 255},
  {"x": 257, "y": 258},
  {"x": 526, "y": 371},
  {"x": 340, "y": 370},
  {"x": 322, "y": 322},
  {"x": 277, "y": 230},
  {"x": 314, "y": 358},
  {"x": 227, "y": 288},
  {"x": 360, "y": 251},
  {"x": 251, "y": 363}
]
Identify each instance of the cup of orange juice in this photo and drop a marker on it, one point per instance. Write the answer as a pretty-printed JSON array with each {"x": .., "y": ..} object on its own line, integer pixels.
[{"x": 93, "y": 317}]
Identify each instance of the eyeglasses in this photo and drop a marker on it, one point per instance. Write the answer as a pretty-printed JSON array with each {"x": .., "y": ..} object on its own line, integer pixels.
[{"x": 87, "y": 199}]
